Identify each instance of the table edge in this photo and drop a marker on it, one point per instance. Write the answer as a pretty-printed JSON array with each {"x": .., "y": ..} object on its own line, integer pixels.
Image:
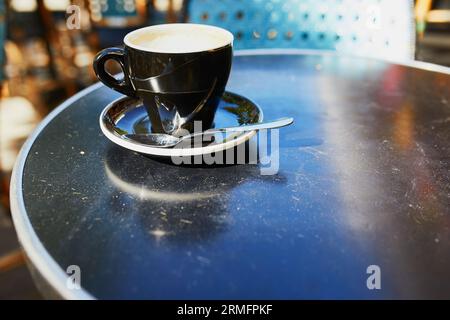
[
  {"x": 416, "y": 64},
  {"x": 50, "y": 270},
  {"x": 35, "y": 251}
]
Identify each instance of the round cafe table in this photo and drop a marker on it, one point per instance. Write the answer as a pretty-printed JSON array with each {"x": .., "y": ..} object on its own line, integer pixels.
[{"x": 361, "y": 195}]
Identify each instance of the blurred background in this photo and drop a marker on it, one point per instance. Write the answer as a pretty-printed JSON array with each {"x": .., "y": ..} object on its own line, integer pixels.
[{"x": 48, "y": 48}]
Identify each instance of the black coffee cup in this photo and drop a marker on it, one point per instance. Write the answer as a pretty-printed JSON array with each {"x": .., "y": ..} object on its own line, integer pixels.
[{"x": 178, "y": 70}]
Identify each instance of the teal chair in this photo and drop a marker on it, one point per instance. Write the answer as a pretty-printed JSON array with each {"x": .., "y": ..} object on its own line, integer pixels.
[
  {"x": 113, "y": 19},
  {"x": 381, "y": 28}
]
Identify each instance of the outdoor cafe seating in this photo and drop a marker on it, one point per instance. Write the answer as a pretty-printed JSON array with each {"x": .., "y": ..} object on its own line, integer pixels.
[{"x": 224, "y": 150}]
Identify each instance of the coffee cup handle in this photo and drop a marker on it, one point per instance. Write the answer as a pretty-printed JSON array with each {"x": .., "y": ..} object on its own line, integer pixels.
[{"x": 117, "y": 54}]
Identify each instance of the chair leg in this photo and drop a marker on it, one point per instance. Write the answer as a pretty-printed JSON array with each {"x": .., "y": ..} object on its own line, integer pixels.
[
  {"x": 4, "y": 192},
  {"x": 4, "y": 181},
  {"x": 12, "y": 260}
]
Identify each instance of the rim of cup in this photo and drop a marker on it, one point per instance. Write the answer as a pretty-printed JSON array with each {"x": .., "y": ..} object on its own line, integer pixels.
[{"x": 227, "y": 36}]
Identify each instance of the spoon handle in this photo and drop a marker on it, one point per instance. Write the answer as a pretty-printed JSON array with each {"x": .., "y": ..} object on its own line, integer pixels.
[{"x": 282, "y": 122}]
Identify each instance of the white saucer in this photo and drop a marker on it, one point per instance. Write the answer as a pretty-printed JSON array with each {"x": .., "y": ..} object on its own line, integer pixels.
[{"x": 128, "y": 116}]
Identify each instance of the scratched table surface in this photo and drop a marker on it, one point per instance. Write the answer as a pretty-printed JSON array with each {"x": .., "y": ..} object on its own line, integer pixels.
[{"x": 363, "y": 180}]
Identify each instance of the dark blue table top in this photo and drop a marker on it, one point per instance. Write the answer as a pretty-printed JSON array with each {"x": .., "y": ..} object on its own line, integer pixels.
[{"x": 363, "y": 180}]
